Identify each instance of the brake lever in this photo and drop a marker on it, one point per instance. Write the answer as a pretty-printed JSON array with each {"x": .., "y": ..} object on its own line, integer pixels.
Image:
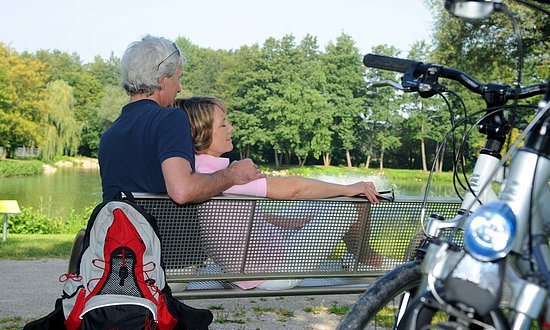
[{"x": 384, "y": 83}]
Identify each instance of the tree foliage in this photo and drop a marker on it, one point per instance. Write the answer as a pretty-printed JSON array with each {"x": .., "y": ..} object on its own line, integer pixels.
[
  {"x": 289, "y": 100},
  {"x": 63, "y": 129}
]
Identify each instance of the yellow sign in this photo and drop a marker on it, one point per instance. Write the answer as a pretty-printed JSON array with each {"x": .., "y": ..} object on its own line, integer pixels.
[{"x": 9, "y": 207}]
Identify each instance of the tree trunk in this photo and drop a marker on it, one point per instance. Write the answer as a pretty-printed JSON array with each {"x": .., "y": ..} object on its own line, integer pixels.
[
  {"x": 382, "y": 160},
  {"x": 287, "y": 158},
  {"x": 423, "y": 152},
  {"x": 326, "y": 159},
  {"x": 367, "y": 162},
  {"x": 441, "y": 157},
  {"x": 348, "y": 158},
  {"x": 277, "y": 164},
  {"x": 248, "y": 151},
  {"x": 241, "y": 153}
]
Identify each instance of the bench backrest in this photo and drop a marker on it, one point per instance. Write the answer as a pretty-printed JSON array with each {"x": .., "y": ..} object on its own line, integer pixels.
[{"x": 246, "y": 237}]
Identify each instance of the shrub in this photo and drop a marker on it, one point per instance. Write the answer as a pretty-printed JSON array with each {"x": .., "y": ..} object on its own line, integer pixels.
[
  {"x": 31, "y": 221},
  {"x": 11, "y": 167}
]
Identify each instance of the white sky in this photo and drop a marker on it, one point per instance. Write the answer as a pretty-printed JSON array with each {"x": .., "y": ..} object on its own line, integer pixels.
[{"x": 99, "y": 27}]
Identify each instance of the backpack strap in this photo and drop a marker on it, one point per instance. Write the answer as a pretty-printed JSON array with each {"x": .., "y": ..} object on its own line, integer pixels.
[{"x": 124, "y": 195}]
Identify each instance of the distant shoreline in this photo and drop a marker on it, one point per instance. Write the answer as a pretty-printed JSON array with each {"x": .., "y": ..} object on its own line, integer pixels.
[
  {"x": 83, "y": 162},
  {"x": 37, "y": 167}
]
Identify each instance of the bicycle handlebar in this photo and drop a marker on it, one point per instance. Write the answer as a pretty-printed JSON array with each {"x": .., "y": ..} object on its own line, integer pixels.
[{"x": 431, "y": 72}]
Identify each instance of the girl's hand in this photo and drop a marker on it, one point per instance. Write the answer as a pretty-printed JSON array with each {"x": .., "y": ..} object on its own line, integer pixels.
[{"x": 363, "y": 188}]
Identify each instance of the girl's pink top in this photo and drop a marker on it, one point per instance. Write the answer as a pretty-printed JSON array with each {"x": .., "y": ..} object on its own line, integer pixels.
[
  {"x": 266, "y": 246},
  {"x": 211, "y": 164}
]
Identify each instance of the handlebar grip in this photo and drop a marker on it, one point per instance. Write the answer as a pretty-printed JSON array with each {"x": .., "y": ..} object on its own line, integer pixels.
[{"x": 388, "y": 63}]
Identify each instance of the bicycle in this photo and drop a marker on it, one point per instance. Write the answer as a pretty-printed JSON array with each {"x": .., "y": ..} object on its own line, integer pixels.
[{"x": 390, "y": 295}]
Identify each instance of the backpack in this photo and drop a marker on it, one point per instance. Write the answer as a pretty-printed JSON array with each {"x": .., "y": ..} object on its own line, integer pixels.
[{"x": 119, "y": 282}]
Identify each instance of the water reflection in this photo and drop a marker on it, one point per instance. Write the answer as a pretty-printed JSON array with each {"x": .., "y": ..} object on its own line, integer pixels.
[
  {"x": 401, "y": 188},
  {"x": 57, "y": 193}
]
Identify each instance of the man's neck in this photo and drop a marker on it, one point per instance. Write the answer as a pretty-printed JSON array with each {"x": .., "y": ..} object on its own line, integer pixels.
[{"x": 137, "y": 97}]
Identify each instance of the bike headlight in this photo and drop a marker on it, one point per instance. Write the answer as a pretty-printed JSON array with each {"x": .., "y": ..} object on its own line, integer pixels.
[
  {"x": 471, "y": 8},
  {"x": 489, "y": 231}
]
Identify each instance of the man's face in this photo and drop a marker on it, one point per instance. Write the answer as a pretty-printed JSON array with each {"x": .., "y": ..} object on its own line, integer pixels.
[{"x": 170, "y": 88}]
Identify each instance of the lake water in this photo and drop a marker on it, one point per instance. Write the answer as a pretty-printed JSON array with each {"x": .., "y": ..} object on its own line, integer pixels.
[
  {"x": 57, "y": 193},
  {"x": 76, "y": 188}
]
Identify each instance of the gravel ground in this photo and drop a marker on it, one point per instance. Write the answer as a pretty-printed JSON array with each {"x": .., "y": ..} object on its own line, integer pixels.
[{"x": 30, "y": 287}]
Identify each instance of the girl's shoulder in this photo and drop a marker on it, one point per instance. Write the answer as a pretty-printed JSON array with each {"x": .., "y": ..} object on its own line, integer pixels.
[{"x": 209, "y": 164}]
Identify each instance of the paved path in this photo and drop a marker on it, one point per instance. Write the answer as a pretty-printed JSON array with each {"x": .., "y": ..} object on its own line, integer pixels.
[{"x": 29, "y": 288}]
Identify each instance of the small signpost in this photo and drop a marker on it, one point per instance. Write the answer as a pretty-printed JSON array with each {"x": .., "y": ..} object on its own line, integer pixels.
[{"x": 8, "y": 207}]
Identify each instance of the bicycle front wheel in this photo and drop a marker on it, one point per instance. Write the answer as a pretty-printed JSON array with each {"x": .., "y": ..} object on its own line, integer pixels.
[{"x": 383, "y": 304}]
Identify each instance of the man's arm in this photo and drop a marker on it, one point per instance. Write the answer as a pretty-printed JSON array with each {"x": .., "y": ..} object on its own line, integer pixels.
[{"x": 185, "y": 186}]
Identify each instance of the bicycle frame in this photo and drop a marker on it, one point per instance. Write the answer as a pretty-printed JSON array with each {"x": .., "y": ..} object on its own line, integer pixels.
[
  {"x": 526, "y": 192},
  {"x": 482, "y": 173},
  {"x": 437, "y": 258}
]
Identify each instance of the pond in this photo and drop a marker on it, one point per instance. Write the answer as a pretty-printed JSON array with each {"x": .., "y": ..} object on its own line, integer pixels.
[
  {"x": 57, "y": 193},
  {"x": 75, "y": 188}
]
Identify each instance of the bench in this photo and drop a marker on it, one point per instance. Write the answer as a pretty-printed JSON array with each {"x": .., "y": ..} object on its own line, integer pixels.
[{"x": 194, "y": 236}]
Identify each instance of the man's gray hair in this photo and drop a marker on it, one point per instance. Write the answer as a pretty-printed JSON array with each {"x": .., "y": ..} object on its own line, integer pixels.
[{"x": 147, "y": 60}]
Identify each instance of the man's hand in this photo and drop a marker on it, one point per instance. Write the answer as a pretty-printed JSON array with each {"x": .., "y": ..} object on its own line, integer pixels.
[{"x": 244, "y": 171}]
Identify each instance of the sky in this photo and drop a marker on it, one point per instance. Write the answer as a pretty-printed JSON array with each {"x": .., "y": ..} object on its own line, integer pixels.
[{"x": 101, "y": 27}]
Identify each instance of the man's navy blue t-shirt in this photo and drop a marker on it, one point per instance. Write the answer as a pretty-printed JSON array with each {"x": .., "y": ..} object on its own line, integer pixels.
[{"x": 132, "y": 150}]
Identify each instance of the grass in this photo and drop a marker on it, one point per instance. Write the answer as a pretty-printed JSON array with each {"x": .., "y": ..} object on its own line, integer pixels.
[
  {"x": 13, "y": 323},
  {"x": 389, "y": 173},
  {"x": 315, "y": 309},
  {"x": 337, "y": 309},
  {"x": 36, "y": 246},
  {"x": 14, "y": 167}
]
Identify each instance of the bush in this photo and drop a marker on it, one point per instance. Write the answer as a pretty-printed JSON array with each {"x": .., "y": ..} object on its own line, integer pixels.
[
  {"x": 11, "y": 167},
  {"x": 31, "y": 221}
]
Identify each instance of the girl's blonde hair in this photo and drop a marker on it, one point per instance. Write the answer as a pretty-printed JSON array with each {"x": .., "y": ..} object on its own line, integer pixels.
[{"x": 200, "y": 110}]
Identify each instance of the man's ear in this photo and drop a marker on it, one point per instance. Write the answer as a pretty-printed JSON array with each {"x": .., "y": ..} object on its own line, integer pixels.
[{"x": 162, "y": 82}]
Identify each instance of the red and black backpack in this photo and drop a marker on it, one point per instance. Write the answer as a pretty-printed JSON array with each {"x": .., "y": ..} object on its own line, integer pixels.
[{"x": 119, "y": 281}]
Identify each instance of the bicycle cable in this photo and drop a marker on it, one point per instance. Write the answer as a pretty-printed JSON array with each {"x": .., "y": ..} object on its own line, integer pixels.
[
  {"x": 504, "y": 159},
  {"x": 464, "y": 216},
  {"x": 445, "y": 138}
]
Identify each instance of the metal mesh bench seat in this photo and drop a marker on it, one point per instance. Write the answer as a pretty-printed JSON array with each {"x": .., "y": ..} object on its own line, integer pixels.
[{"x": 208, "y": 246}]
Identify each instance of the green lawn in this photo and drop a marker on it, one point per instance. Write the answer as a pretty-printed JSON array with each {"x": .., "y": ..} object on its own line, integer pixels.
[
  {"x": 36, "y": 246},
  {"x": 390, "y": 173}
]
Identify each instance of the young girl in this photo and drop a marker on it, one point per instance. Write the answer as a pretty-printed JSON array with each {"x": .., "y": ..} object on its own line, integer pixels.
[{"x": 274, "y": 241}]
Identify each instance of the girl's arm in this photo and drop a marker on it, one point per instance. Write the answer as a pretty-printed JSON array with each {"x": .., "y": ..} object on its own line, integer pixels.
[{"x": 304, "y": 188}]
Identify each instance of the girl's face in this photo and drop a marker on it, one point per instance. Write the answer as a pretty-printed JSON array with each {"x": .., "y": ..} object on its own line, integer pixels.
[{"x": 221, "y": 135}]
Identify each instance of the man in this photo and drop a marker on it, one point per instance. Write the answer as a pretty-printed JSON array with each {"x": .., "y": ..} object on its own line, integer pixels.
[{"x": 149, "y": 147}]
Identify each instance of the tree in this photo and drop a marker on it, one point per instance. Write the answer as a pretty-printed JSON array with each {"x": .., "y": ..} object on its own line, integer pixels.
[
  {"x": 345, "y": 90},
  {"x": 244, "y": 83},
  {"x": 202, "y": 70},
  {"x": 63, "y": 131},
  {"x": 87, "y": 89},
  {"x": 106, "y": 72},
  {"x": 21, "y": 100},
  {"x": 420, "y": 124},
  {"x": 114, "y": 98},
  {"x": 487, "y": 49},
  {"x": 382, "y": 116}
]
